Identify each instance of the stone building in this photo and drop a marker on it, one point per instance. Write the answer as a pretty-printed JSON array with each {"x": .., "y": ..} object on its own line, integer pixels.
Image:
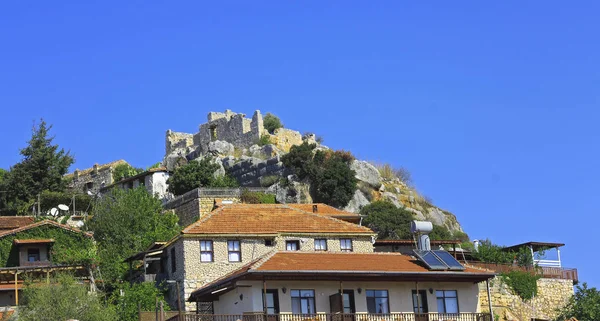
[
  {"x": 235, "y": 234},
  {"x": 94, "y": 178},
  {"x": 154, "y": 180}
]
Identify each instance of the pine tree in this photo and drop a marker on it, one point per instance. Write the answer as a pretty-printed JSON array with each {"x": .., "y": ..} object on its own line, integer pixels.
[{"x": 42, "y": 168}]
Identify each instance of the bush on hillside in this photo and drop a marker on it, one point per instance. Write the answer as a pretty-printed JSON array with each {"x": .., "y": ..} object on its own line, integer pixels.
[
  {"x": 123, "y": 171},
  {"x": 249, "y": 197},
  {"x": 271, "y": 123},
  {"x": 387, "y": 220},
  {"x": 198, "y": 174}
]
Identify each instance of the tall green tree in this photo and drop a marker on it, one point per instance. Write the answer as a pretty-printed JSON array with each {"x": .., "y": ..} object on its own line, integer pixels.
[
  {"x": 583, "y": 306},
  {"x": 387, "y": 220},
  {"x": 42, "y": 168},
  {"x": 144, "y": 294},
  {"x": 63, "y": 299},
  {"x": 126, "y": 222}
]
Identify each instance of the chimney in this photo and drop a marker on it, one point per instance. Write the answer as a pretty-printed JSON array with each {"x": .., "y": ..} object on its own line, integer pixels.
[
  {"x": 315, "y": 208},
  {"x": 476, "y": 245},
  {"x": 96, "y": 169},
  {"x": 422, "y": 229}
]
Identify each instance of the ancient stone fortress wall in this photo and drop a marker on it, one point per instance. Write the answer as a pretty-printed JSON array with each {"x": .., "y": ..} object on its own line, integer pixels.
[
  {"x": 177, "y": 140},
  {"x": 230, "y": 127},
  {"x": 250, "y": 171},
  {"x": 94, "y": 178},
  {"x": 552, "y": 294}
]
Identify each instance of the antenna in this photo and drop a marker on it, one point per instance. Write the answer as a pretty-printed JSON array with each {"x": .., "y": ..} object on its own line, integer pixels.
[
  {"x": 53, "y": 211},
  {"x": 63, "y": 207}
]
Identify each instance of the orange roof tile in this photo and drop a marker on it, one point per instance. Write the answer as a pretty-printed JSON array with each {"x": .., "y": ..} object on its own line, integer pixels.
[
  {"x": 32, "y": 241},
  {"x": 322, "y": 209},
  {"x": 270, "y": 219},
  {"x": 351, "y": 262},
  {"x": 13, "y": 222}
]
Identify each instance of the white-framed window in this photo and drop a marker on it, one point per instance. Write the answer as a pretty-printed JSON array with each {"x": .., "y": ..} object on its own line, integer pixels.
[
  {"x": 206, "y": 251},
  {"x": 346, "y": 245},
  {"x": 235, "y": 251},
  {"x": 320, "y": 245},
  {"x": 447, "y": 301}
]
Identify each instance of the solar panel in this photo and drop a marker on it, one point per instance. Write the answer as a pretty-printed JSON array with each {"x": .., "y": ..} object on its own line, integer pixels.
[
  {"x": 449, "y": 260},
  {"x": 431, "y": 260}
]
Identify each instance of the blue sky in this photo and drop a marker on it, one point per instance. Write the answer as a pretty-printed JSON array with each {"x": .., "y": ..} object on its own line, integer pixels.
[{"x": 493, "y": 107}]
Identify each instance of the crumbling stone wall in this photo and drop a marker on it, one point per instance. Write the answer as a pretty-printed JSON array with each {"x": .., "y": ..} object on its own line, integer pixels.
[
  {"x": 94, "y": 178},
  {"x": 552, "y": 294},
  {"x": 249, "y": 171},
  {"x": 177, "y": 140},
  {"x": 230, "y": 127}
]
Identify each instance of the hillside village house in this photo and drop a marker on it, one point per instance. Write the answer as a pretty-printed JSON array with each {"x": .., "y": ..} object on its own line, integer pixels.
[
  {"x": 154, "y": 180},
  {"x": 304, "y": 260},
  {"x": 35, "y": 250}
]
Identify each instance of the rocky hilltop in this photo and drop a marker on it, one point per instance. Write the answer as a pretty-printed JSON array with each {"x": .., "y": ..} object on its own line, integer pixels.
[{"x": 246, "y": 150}]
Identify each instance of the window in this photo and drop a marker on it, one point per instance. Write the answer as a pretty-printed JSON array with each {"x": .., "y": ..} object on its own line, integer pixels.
[
  {"x": 272, "y": 297},
  {"x": 33, "y": 255},
  {"x": 447, "y": 301},
  {"x": 173, "y": 263},
  {"x": 420, "y": 302},
  {"x": 292, "y": 245},
  {"x": 268, "y": 242},
  {"x": 346, "y": 245},
  {"x": 235, "y": 252},
  {"x": 206, "y": 251},
  {"x": 320, "y": 245},
  {"x": 303, "y": 301},
  {"x": 377, "y": 301}
]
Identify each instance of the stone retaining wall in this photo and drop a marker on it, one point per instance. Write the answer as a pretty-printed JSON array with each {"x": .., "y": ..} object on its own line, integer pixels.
[
  {"x": 552, "y": 294},
  {"x": 249, "y": 172}
]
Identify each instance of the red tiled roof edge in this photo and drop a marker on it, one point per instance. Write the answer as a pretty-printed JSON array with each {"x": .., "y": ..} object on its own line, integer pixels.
[
  {"x": 332, "y": 218},
  {"x": 45, "y": 222}
]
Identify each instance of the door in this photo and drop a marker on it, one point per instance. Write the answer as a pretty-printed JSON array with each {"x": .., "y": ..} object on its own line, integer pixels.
[
  {"x": 343, "y": 305},
  {"x": 420, "y": 307},
  {"x": 272, "y": 300}
]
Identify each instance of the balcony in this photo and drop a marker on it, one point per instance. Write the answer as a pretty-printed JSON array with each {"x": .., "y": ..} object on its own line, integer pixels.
[
  {"x": 336, "y": 317},
  {"x": 549, "y": 272},
  {"x": 36, "y": 263}
]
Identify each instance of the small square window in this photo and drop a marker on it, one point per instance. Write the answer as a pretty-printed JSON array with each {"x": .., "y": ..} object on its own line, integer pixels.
[
  {"x": 206, "y": 251},
  {"x": 268, "y": 242},
  {"x": 33, "y": 255},
  {"x": 235, "y": 251},
  {"x": 292, "y": 245},
  {"x": 346, "y": 245},
  {"x": 320, "y": 245}
]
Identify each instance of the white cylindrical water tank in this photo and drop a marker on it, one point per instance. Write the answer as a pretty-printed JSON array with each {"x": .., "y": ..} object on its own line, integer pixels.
[{"x": 421, "y": 227}]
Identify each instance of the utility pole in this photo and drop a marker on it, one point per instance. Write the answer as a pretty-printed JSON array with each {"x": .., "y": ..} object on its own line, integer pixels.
[{"x": 39, "y": 211}]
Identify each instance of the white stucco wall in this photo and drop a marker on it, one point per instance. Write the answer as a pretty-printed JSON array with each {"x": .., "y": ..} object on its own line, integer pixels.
[{"x": 400, "y": 295}]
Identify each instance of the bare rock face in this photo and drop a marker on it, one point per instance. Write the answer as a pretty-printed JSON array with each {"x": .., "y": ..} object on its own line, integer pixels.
[
  {"x": 357, "y": 202},
  {"x": 293, "y": 191},
  {"x": 367, "y": 173},
  {"x": 266, "y": 151},
  {"x": 220, "y": 148}
]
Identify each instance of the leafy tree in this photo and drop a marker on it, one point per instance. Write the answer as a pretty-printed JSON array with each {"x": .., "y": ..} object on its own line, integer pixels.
[
  {"x": 440, "y": 233},
  {"x": 123, "y": 171},
  {"x": 224, "y": 181},
  {"x": 156, "y": 165},
  {"x": 583, "y": 306},
  {"x": 42, "y": 168},
  {"x": 126, "y": 222},
  {"x": 143, "y": 294},
  {"x": 192, "y": 175},
  {"x": 332, "y": 180},
  {"x": 62, "y": 299},
  {"x": 387, "y": 220},
  {"x": 271, "y": 123}
]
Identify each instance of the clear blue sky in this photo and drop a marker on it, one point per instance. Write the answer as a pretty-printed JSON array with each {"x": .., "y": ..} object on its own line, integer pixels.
[{"x": 494, "y": 107}]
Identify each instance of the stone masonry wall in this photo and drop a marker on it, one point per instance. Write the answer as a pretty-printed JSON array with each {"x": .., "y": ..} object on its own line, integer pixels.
[
  {"x": 230, "y": 127},
  {"x": 198, "y": 273},
  {"x": 175, "y": 140},
  {"x": 552, "y": 294},
  {"x": 248, "y": 172}
]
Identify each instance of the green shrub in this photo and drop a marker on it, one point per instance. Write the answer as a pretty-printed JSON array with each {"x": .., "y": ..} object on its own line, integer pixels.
[
  {"x": 145, "y": 295},
  {"x": 524, "y": 284},
  {"x": 440, "y": 233},
  {"x": 224, "y": 181},
  {"x": 462, "y": 236},
  {"x": 271, "y": 123},
  {"x": 266, "y": 181},
  {"x": 387, "y": 220},
  {"x": 123, "y": 171},
  {"x": 249, "y": 197},
  {"x": 192, "y": 175},
  {"x": 264, "y": 140}
]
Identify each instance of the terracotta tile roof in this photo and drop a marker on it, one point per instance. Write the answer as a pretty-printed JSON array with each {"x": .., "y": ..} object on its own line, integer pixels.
[
  {"x": 314, "y": 264},
  {"x": 322, "y": 209},
  {"x": 42, "y": 223},
  {"x": 32, "y": 241},
  {"x": 270, "y": 219},
  {"x": 13, "y": 222},
  {"x": 350, "y": 262}
]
